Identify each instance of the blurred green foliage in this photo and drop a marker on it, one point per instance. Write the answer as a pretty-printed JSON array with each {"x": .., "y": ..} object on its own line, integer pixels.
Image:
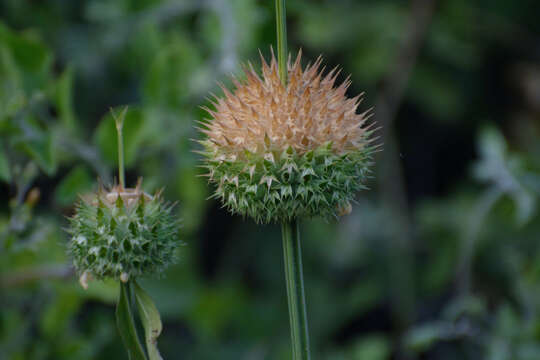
[{"x": 469, "y": 138}]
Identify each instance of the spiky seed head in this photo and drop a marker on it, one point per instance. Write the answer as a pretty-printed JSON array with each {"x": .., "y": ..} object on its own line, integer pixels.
[
  {"x": 280, "y": 152},
  {"x": 122, "y": 233}
]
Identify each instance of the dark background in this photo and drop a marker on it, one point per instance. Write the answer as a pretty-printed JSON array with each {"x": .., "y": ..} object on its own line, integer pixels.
[{"x": 438, "y": 260}]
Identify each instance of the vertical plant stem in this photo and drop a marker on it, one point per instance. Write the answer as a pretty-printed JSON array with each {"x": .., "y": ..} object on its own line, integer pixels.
[
  {"x": 119, "y": 120},
  {"x": 292, "y": 255},
  {"x": 281, "y": 26},
  {"x": 292, "y": 251}
]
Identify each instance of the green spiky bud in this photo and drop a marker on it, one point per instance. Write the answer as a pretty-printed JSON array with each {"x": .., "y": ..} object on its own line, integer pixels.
[
  {"x": 122, "y": 233},
  {"x": 284, "y": 186},
  {"x": 276, "y": 153}
]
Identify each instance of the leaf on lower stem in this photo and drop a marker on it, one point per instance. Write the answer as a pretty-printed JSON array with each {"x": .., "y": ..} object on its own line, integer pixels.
[
  {"x": 150, "y": 319},
  {"x": 126, "y": 325}
]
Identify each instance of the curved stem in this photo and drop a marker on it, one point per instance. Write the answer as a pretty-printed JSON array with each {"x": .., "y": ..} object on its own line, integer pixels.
[
  {"x": 281, "y": 26},
  {"x": 292, "y": 255}
]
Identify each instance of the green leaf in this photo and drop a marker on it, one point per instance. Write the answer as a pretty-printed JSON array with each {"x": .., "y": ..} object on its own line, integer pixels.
[
  {"x": 12, "y": 96},
  {"x": 374, "y": 347},
  {"x": 31, "y": 56},
  {"x": 5, "y": 174},
  {"x": 423, "y": 337},
  {"x": 126, "y": 325},
  {"x": 172, "y": 74},
  {"x": 150, "y": 320},
  {"x": 38, "y": 144},
  {"x": 58, "y": 313},
  {"x": 77, "y": 182},
  {"x": 63, "y": 91}
]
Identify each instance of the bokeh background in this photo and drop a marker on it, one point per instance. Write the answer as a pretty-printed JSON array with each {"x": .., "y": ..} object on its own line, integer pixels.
[{"x": 439, "y": 260}]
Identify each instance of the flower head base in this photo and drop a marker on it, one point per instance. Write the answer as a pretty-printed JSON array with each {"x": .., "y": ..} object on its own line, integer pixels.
[
  {"x": 280, "y": 152},
  {"x": 122, "y": 233}
]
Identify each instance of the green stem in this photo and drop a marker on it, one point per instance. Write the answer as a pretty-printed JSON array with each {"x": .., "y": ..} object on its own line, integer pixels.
[
  {"x": 281, "y": 26},
  {"x": 292, "y": 251},
  {"x": 292, "y": 254},
  {"x": 119, "y": 120},
  {"x": 126, "y": 324}
]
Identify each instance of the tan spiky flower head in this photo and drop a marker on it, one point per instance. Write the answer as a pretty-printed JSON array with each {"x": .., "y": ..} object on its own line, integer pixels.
[
  {"x": 306, "y": 114},
  {"x": 279, "y": 152}
]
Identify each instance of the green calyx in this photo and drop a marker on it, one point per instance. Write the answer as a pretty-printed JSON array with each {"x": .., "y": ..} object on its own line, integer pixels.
[
  {"x": 282, "y": 186},
  {"x": 123, "y": 234}
]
